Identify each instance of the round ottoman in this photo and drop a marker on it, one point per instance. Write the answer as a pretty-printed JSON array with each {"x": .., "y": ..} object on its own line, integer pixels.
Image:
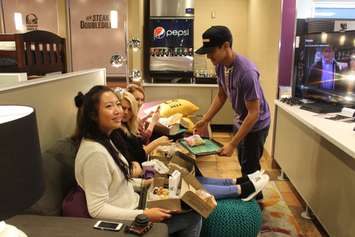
[{"x": 233, "y": 218}]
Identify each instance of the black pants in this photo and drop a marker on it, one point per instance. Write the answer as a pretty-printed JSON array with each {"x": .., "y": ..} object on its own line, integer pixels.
[{"x": 250, "y": 150}]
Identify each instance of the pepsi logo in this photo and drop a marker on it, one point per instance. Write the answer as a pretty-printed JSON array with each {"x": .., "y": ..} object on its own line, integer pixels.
[{"x": 159, "y": 32}]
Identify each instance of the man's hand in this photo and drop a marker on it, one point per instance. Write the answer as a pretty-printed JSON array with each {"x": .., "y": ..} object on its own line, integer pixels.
[
  {"x": 227, "y": 150},
  {"x": 199, "y": 126}
]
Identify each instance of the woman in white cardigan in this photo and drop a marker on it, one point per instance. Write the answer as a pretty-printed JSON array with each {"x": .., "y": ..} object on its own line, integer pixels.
[{"x": 104, "y": 173}]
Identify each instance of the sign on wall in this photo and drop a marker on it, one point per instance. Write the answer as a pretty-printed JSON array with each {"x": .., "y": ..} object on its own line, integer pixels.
[
  {"x": 96, "y": 21},
  {"x": 97, "y": 32},
  {"x": 31, "y": 22},
  {"x": 25, "y": 15}
]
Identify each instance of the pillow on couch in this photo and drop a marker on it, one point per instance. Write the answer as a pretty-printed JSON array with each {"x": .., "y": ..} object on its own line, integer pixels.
[
  {"x": 58, "y": 167},
  {"x": 171, "y": 107}
]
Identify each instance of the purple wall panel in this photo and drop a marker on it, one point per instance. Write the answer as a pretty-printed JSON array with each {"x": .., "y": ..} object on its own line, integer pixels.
[{"x": 286, "y": 43}]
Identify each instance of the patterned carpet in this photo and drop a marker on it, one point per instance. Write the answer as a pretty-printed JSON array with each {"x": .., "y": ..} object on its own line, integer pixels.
[{"x": 278, "y": 220}]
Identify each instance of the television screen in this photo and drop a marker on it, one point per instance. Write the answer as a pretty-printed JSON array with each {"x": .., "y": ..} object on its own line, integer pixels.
[{"x": 329, "y": 67}]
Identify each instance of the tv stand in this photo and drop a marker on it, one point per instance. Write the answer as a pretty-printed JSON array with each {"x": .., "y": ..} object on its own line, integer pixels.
[{"x": 321, "y": 107}]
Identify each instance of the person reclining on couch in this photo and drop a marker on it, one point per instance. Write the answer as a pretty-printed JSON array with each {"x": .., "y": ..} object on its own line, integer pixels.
[
  {"x": 130, "y": 132},
  {"x": 145, "y": 128},
  {"x": 245, "y": 187},
  {"x": 104, "y": 173}
]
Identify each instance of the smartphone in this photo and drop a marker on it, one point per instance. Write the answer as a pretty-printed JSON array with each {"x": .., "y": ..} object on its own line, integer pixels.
[{"x": 106, "y": 225}]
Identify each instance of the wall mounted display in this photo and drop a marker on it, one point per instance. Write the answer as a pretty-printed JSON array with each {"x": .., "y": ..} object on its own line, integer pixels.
[
  {"x": 97, "y": 30},
  {"x": 22, "y": 15}
]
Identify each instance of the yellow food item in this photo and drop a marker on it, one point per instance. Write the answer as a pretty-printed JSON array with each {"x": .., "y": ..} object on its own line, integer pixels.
[
  {"x": 187, "y": 123},
  {"x": 171, "y": 107},
  {"x": 163, "y": 193}
]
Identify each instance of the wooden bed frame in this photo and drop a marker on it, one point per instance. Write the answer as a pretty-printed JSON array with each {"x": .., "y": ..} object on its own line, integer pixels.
[{"x": 37, "y": 53}]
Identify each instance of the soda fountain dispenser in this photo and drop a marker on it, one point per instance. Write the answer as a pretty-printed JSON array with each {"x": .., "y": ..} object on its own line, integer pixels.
[{"x": 171, "y": 39}]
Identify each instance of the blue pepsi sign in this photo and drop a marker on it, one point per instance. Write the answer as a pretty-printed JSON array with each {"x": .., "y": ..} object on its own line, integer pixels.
[{"x": 171, "y": 33}]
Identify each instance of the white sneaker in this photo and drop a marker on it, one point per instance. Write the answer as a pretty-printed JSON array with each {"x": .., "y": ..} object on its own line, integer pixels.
[
  {"x": 256, "y": 174},
  {"x": 259, "y": 183}
]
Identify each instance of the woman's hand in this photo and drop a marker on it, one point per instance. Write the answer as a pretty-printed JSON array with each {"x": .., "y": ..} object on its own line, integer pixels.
[
  {"x": 137, "y": 170},
  {"x": 144, "y": 119},
  {"x": 163, "y": 140},
  {"x": 147, "y": 182},
  {"x": 156, "y": 214},
  {"x": 156, "y": 116}
]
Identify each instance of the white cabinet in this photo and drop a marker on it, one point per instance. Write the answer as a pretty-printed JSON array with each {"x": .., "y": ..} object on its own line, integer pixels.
[
  {"x": 160, "y": 93},
  {"x": 199, "y": 96},
  {"x": 319, "y": 161}
]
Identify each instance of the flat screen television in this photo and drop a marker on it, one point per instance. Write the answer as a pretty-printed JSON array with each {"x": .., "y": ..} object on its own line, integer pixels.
[{"x": 325, "y": 69}]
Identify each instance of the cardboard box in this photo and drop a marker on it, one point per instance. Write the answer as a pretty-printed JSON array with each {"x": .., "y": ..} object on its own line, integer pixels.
[
  {"x": 180, "y": 161},
  {"x": 188, "y": 188},
  {"x": 172, "y": 131},
  {"x": 169, "y": 203},
  {"x": 183, "y": 163}
]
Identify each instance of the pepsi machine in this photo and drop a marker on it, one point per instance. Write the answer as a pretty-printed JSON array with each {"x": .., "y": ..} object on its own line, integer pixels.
[{"x": 170, "y": 39}]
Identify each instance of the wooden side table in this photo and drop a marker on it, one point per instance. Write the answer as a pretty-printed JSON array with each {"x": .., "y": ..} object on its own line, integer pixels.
[{"x": 56, "y": 226}]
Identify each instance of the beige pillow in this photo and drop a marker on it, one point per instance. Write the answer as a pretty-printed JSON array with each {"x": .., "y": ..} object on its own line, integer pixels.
[{"x": 171, "y": 107}]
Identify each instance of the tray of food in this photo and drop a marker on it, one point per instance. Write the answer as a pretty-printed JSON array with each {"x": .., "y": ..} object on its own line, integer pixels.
[{"x": 200, "y": 146}]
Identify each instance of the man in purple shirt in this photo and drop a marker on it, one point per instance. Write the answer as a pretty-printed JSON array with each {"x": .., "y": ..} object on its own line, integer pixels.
[{"x": 238, "y": 80}]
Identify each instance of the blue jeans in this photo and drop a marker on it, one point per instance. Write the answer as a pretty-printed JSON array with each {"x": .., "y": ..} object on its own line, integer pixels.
[
  {"x": 186, "y": 224},
  {"x": 219, "y": 188}
]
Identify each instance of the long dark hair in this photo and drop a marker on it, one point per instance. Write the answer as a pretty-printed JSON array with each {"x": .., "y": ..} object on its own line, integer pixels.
[{"x": 87, "y": 124}]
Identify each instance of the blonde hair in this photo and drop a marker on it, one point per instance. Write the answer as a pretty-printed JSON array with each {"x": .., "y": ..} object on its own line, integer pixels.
[
  {"x": 134, "y": 87},
  {"x": 131, "y": 126}
]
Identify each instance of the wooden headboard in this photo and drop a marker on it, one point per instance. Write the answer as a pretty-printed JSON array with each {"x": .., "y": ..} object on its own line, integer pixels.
[{"x": 35, "y": 52}]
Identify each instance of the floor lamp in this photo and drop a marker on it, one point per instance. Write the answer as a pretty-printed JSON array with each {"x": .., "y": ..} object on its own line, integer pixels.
[
  {"x": 118, "y": 61},
  {"x": 21, "y": 175}
]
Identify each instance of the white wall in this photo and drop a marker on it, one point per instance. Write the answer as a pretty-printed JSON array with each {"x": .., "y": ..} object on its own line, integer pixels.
[
  {"x": 7, "y": 79},
  {"x": 264, "y": 27},
  {"x": 53, "y": 100},
  {"x": 304, "y": 9},
  {"x": 231, "y": 13}
]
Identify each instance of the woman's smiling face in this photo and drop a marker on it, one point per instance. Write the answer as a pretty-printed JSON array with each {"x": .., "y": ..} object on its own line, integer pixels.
[
  {"x": 127, "y": 110},
  {"x": 109, "y": 112},
  {"x": 139, "y": 97}
]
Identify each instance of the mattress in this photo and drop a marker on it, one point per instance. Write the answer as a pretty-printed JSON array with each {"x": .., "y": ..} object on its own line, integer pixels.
[{"x": 8, "y": 45}]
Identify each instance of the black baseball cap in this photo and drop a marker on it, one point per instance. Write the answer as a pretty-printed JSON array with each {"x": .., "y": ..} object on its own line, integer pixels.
[{"x": 214, "y": 37}]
